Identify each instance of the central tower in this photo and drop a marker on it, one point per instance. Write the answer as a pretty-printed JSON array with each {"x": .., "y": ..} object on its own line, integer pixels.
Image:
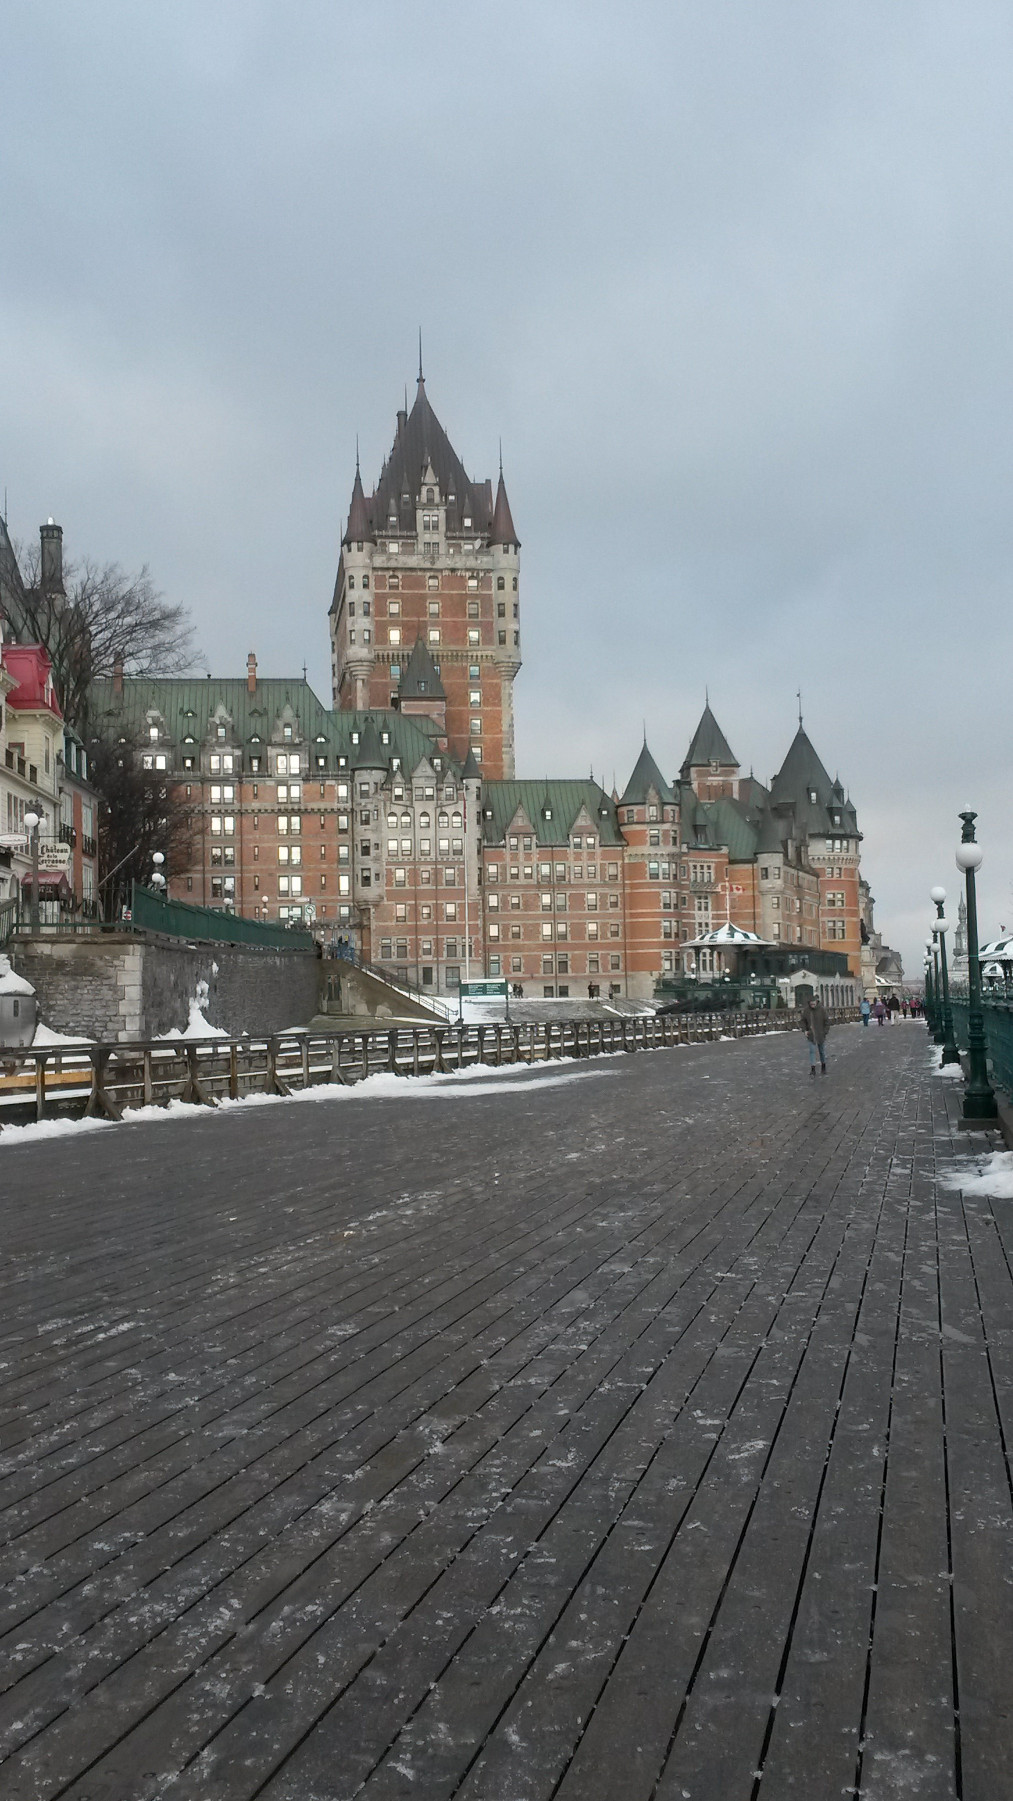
[{"x": 428, "y": 574}]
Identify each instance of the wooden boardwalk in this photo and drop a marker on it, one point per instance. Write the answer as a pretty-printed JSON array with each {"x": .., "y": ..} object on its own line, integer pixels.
[{"x": 613, "y": 1432}]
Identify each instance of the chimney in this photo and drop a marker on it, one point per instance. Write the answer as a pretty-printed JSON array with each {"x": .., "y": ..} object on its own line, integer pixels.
[
  {"x": 402, "y": 420},
  {"x": 117, "y": 675},
  {"x": 51, "y": 540},
  {"x": 251, "y": 673}
]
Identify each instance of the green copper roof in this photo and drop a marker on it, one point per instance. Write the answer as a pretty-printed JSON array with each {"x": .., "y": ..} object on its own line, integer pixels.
[
  {"x": 646, "y": 775},
  {"x": 562, "y": 800},
  {"x": 421, "y": 679},
  {"x": 191, "y": 709},
  {"x": 708, "y": 745}
]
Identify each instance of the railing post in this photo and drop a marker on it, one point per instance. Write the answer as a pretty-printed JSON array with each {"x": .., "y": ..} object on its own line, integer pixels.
[
  {"x": 40, "y": 1087},
  {"x": 148, "y": 1089},
  {"x": 233, "y": 1071}
]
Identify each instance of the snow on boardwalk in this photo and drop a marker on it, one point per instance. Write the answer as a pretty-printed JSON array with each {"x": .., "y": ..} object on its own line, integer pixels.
[{"x": 622, "y": 1433}]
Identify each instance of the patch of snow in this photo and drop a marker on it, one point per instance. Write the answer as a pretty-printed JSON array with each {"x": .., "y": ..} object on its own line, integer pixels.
[
  {"x": 991, "y": 1176},
  {"x": 10, "y": 981},
  {"x": 45, "y": 1035},
  {"x": 196, "y": 1026},
  {"x": 383, "y": 1086}
]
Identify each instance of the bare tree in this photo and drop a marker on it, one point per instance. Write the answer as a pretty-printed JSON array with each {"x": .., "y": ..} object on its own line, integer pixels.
[
  {"x": 106, "y": 617},
  {"x": 140, "y": 812}
]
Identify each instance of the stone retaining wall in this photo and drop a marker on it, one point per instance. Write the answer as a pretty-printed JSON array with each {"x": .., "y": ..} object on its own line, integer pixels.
[{"x": 118, "y": 987}]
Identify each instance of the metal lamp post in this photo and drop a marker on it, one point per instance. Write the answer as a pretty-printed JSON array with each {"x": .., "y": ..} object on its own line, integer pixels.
[
  {"x": 33, "y": 822},
  {"x": 158, "y": 881},
  {"x": 950, "y": 1051},
  {"x": 930, "y": 997},
  {"x": 979, "y": 1100},
  {"x": 937, "y": 989}
]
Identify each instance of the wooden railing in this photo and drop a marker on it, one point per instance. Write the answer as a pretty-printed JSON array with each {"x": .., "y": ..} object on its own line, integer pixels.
[{"x": 105, "y": 1081}]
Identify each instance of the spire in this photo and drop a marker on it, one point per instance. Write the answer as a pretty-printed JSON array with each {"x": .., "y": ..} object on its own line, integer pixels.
[
  {"x": 708, "y": 745},
  {"x": 420, "y": 679},
  {"x": 358, "y": 529},
  {"x": 422, "y": 378},
  {"x": 799, "y": 699},
  {"x": 470, "y": 771},
  {"x": 502, "y": 530},
  {"x": 646, "y": 775},
  {"x": 370, "y": 753}
]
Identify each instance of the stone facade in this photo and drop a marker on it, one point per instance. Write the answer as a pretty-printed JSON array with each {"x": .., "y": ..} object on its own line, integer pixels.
[{"x": 118, "y": 988}]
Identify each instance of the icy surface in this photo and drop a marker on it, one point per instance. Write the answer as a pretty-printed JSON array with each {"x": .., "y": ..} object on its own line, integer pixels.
[
  {"x": 196, "y": 1027},
  {"x": 45, "y": 1035}
]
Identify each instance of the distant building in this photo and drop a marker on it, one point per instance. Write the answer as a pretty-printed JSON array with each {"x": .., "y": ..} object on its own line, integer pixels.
[
  {"x": 430, "y": 562},
  {"x": 394, "y": 818}
]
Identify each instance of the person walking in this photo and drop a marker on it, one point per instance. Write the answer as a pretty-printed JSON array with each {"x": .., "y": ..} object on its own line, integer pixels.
[
  {"x": 879, "y": 1011},
  {"x": 815, "y": 1024},
  {"x": 894, "y": 1005},
  {"x": 864, "y": 1009}
]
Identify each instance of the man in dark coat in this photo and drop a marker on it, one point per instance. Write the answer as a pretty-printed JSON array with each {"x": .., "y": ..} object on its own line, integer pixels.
[{"x": 815, "y": 1024}]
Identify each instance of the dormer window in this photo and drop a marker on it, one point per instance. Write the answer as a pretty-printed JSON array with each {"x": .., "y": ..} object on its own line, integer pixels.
[
  {"x": 221, "y": 731},
  {"x": 430, "y": 495},
  {"x": 153, "y": 733},
  {"x": 286, "y": 732},
  {"x": 812, "y": 796}
]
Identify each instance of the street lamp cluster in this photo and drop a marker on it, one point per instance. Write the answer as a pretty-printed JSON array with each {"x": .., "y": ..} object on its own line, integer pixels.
[{"x": 979, "y": 1098}]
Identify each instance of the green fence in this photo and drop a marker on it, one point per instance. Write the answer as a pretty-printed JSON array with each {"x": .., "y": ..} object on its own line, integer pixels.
[
  {"x": 177, "y": 919},
  {"x": 998, "y": 1016}
]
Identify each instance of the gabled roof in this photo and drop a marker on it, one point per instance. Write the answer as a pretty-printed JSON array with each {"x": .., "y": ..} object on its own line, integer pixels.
[
  {"x": 421, "y": 680},
  {"x": 646, "y": 775},
  {"x": 421, "y": 443},
  {"x": 502, "y": 530},
  {"x": 565, "y": 799},
  {"x": 708, "y": 745}
]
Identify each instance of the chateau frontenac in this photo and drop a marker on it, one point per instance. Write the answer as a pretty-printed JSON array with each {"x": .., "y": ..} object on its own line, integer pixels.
[{"x": 393, "y": 820}]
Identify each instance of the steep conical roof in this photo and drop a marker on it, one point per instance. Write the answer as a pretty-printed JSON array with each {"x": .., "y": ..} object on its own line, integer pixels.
[
  {"x": 358, "y": 528},
  {"x": 502, "y": 529},
  {"x": 708, "y": 744},
  {"x": 421, "y": 443},
  {"x": 646, "y": 774},
  {"x": 421, "y": 680},
  {"x": 369, "y": 753},
  {"x": 471, "y": 772},
  {"x": 803, "y": 783}
]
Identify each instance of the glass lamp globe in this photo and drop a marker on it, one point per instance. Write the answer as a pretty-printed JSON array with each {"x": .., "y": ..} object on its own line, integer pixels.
[
  {"x": 968, "y": 857},
  {"x": 158, "y": 858},
  {"x": 938, "y": 895},
  {"x": 31, "y": 821}
]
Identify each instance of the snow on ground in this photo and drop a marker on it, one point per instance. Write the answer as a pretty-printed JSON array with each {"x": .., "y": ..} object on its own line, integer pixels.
[
  {"x": 990, "y": 1175},
  {"x": 939, "y": 1068},
  {"x": 512, "y": 1079}
]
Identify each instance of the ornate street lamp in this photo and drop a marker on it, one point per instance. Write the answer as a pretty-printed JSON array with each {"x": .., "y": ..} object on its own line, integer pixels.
[
  {"x": 937, "y": 989},
  {"x": 930, "y": 998},
  {"x": 950, "y": 1051},
  {"x": 33, "y": 822},
  {"x": 157, "y": 878},
  {"x": 979, "y": 1100}
]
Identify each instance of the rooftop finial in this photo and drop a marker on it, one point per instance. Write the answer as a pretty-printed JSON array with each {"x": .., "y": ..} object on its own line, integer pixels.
[
  {"x": 421, "y": 376},
  {"x": 356, "y": 453},
  {"x": 798, "y": 694},
  {"x": 501, "y": 459}
]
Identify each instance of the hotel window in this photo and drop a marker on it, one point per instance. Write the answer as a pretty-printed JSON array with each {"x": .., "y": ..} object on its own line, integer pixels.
[
  {"x": 394, "y": 635},
  {"x": 433, "y": 583},
  {"x": 450, "y": 909},
  {"x": 473, "y": 609},
  {"x": 473, "y": 635},
  {"x": 434, "y": 634}
]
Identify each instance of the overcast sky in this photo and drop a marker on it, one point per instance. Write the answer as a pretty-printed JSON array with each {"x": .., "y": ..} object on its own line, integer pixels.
[{"x": 732, "y": 281}]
